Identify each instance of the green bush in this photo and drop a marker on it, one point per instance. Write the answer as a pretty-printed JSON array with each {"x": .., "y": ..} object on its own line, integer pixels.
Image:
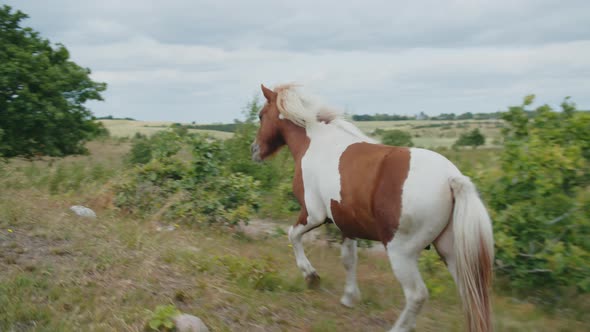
[
  {"x": 201, "y": 189},
  {"x": 472, "y": 138},
  {"x": 540, "y": 199},
  {"x": 396, "y": 137},
  {"x": 161, "y": 145}
]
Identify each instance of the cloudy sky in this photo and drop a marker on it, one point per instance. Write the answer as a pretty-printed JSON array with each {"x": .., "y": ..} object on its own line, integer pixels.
[{"x": 203, "y": 60}]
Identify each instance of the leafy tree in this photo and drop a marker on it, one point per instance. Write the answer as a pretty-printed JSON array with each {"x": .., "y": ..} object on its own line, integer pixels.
[
  {"x": 540, "y": 199},
  {"x": 473, "y": 138},
  {"x": 396, "y": 137},
  {"x": 42, "y": 94}
]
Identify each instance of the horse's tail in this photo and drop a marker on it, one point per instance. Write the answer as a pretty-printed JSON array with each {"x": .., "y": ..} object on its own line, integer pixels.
[{"x": 474, "y": 252}]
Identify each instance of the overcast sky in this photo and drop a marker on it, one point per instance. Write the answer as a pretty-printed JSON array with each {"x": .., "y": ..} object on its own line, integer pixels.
[{"x": 203, "y": 60}]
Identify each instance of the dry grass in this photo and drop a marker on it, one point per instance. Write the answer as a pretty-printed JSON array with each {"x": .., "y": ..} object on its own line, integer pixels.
[
  {"x": 437, "y": 133},
  {"x": 64, "y": 273},
  {"x": 425, "y": 133},
  {"x": 128, "y": 128}
]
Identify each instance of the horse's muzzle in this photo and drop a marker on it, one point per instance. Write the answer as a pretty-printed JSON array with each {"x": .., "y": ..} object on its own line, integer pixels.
[{"x": 255, "y": 149}]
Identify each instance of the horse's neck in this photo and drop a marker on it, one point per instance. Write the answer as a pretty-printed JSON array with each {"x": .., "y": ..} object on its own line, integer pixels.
[
  {"x": 296, "y": 140},
  {"x": 337, "y": 131}
]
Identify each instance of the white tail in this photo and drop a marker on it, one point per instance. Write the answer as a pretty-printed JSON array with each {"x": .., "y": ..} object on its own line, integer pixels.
[{"x": 474, "y": 253}]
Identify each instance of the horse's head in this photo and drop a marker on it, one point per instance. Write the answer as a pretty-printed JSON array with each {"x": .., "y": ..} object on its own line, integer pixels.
[{"x": 269, "y": 138}]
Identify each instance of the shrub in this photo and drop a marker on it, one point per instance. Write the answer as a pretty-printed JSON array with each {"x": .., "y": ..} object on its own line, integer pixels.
[
  {"x": 540, "y": 199},
  {"x": 396, "y": 137},
  {"x": 472, "y": 138},
  {"x": 202, "y": 189},
  {"x": 161, "y": 145}
]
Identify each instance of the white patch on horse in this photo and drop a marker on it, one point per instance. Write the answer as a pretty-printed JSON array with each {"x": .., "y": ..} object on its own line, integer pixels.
[
  {"x": 426, "y": 208},
  {"x": 329, "y": 136},
  {"x": 320, "y": 165}
]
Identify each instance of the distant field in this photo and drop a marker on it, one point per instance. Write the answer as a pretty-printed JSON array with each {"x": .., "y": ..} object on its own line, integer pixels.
[
  {"x": 128, "y": 128},
  {"x": 426, "y": 133},
  {"x": 437, "y": 133}
]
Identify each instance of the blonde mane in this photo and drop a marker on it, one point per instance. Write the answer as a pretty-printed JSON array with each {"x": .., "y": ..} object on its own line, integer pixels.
[{"x": 304, "y": 110}]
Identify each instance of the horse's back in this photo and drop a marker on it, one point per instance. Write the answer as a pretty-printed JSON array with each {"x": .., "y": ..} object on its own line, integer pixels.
[
  {"x": 427, "y": 198},
  {"x": 384, "y": 188},
  {"x": 371, "y": 179}
]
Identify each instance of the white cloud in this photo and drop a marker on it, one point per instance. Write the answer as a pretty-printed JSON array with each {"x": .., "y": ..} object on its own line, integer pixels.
[{"x": 202, "y": 60}]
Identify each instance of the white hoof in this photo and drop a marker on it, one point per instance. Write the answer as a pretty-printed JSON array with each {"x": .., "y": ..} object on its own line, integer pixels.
[{"x": 350, "y": 299}]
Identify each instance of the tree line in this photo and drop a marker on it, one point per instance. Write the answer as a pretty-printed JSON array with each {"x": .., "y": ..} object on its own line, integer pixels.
[{"x": 423, "y": 116}]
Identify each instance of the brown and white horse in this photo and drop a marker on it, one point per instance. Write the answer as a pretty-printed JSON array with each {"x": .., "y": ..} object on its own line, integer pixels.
[{"x": 406, "y": 198}]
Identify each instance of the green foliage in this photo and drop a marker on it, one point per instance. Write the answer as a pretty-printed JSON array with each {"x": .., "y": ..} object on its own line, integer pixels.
[
  {"x": 472, "y": 138},
  {"x": 380, "y": 117},
  {"x": 220, "y": 183},
  {"x": 226, "y": 127},
  {"x": 274, "y": 175},
  {"x": 395, "y": 137},
  {"x": 161, "y": 145},
  {"x": 202, "y": 189},
  {"x": 540, "y": 198},
  {"x": 42, "y": 94},
  {"x": 162, "y": 318}
]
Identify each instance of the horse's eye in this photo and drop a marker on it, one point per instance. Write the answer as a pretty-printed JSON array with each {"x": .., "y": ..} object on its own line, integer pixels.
[{"x": 260, "y": 117}]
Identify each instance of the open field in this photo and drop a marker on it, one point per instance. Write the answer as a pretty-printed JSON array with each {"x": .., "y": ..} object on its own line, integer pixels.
[
  {"x": 426, "y": 133},
  {"x": 60, "y": 272},
  {"x": 437, "y": 133},
  {"x": 128, "y": 128}
]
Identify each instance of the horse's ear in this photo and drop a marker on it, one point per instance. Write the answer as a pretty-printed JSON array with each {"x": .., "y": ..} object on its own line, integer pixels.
[{"x": 268, "y": 93}]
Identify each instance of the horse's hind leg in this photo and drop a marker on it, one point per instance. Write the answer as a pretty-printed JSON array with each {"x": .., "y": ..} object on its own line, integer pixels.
[
  {"x": 404, "y": 261},
  {"x": 445, "y": 246},
  {"x": 349, "y": 259}
]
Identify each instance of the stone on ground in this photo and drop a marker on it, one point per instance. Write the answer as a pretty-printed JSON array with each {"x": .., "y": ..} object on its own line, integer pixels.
[{"x": 189, "y": 323}]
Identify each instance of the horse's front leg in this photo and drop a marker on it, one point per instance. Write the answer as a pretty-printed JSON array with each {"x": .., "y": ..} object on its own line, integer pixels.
[{"x": 304, "y": 224}]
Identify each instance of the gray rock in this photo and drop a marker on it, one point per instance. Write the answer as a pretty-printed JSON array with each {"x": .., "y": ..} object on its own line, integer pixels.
[
  {"x": 83, "y": 211},
  {"x": 189, "y": 323},
  {"x": 168, "y": 228}
]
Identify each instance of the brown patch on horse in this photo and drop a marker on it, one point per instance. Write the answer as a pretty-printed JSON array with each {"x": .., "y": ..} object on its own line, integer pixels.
[
  {"x": 298, "y": 144},
  {"x": 371, "y": 179}
]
